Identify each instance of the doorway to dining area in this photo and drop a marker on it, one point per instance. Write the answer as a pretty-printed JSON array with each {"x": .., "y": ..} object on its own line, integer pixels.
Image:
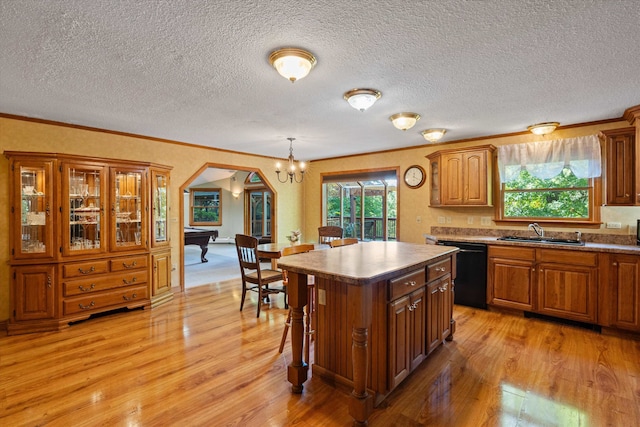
[{"x": 241, "y": 202}]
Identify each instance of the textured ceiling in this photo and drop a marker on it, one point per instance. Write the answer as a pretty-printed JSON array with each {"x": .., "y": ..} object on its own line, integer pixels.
[{"x": 197, "y": 71}]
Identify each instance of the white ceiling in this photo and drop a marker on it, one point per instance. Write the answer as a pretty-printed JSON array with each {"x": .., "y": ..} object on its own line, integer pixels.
[{"x": 197, "y": 71}]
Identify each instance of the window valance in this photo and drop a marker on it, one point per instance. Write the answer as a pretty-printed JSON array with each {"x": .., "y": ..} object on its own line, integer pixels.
[{"x": 546, "y": 159}]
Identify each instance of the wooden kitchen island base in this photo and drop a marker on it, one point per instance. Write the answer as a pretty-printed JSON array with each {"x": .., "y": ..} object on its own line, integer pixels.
[{"x": 381, "y": 308}]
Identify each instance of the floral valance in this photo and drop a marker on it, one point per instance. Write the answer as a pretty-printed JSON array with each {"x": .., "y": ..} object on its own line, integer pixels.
[{"x": 546, "y": 159}]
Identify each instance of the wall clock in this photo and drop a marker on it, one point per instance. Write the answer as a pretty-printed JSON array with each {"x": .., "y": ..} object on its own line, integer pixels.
[{"x": 414, "y": 176}]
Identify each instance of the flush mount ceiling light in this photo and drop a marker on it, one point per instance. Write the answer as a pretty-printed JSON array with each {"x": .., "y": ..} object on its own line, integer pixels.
[
  {"x": 362, "y": 99},
  {"x": 404, "y": 121},
  {"x": 543, "y": 128},
  {"x": 292, "y": 63},
  {"x": 433, "y": 135}
]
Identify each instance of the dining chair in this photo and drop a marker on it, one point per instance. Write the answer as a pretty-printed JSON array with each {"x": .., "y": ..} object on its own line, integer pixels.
[
  {"x": 254, "y": 277},
  {"x": 343, "y": 242},
  {"x": 329, "y": 232},
  {"x": 310, "y": 307}
]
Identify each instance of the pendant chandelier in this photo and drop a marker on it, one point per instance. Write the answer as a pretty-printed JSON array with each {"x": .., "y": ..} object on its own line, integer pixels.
[{"x": 291, "y": 174}]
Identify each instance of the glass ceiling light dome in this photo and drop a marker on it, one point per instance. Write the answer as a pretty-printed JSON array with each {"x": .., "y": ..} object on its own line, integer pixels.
[
  {"x": 543, "y": 128},
  {"x": 433, "y": 135},
  {"x": 292, "y": 63},
  {"x": 404, "y": 121},
  {"x": 362, "y": 99}
]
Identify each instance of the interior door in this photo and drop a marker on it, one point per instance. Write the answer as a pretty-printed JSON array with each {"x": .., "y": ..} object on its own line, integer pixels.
[{"x": 260, "y": 212}]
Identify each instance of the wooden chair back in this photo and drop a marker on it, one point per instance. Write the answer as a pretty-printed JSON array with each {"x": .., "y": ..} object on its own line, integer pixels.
[
  {"x": 297, "y": 249},
  {"x": 328, "y": 233},
  {"x": 252, "y": 273},
  {"x": 343, "y": 242}
]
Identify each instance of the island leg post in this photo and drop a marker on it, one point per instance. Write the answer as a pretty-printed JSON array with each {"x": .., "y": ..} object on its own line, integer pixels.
[
  {"x": 297, "y": 292},
  {"x": 361, "y": 402}
]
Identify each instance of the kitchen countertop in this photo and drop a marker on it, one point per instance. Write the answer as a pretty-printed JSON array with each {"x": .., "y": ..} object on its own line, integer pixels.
[{"x": 588, "y": 247}]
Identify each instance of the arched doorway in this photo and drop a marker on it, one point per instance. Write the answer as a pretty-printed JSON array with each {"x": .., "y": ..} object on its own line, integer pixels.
[{"x": 226, "y": 173}]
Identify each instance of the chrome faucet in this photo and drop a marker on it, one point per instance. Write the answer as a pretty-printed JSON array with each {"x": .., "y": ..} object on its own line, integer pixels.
[{"x": 537, "y": 229}]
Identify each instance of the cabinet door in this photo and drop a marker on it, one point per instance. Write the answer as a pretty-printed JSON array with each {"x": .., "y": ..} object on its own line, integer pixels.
[
  {"x": 446, "y": 299},
  {"x": 567, "y": 291},
  {"x": 474, "y": 167},
  {"x": 511, "y": 283},
  {"x": 399, "y": 340},
  {"x": 625, "y": 272},
  {"x": 161, "y": 263},
  {"x": 433, "y": 316},
  {"x": 621, "y": 169},
  {"x": 128, "y": 229},
  {"x": 34, "y": 292},
  {"x": 435, "y": 181},
  {"x": 452, "y": 179},
  {"x": 417, "y": 323},
  {"x": 84, "y": 223},
  {"x": 159, "y": 208},
  {"x": 32, "y": 209}
]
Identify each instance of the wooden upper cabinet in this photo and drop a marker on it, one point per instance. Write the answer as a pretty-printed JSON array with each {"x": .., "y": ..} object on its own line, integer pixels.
[
  {"x": 462, "y": 177},
  {"x": 622, "y": 179}
]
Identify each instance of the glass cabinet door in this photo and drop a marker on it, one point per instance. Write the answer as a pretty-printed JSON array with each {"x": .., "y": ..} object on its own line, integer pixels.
[
  {"x": 83, "y": 195},
  {"x": 33, "y": 190},
  {"x": 159, "y": 194},
  {"x": 128, "y": 209}
]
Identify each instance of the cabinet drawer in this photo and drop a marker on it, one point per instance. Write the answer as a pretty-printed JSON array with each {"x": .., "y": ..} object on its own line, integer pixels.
[
  {"x": 96, "y": 284},
  {"x": 557, "y": 256},
  {"x": 86, "y": 268},
  {"x": 406, "y": 284},
  {"x": 99, "y": 301},
  {"x": 512, "y": 252},
  {"x": 438, "y": 269},
  {"x": 129, "y": 263}
]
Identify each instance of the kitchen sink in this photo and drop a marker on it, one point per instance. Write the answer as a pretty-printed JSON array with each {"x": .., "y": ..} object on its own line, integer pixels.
[{"x": 549, "y": 240}]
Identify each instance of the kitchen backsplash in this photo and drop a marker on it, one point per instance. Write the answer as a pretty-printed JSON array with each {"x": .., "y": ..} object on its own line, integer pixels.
[{"x": 613, "y": 239}]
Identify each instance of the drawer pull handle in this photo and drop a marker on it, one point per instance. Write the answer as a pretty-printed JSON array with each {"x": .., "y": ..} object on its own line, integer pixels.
[
  {"x": 126, "y": 282},
  {"x": 87, "y": 307},
  {"x": 91, "y": 270},
  {"x": 126, "y": 298},
  {"x": 413, "y": 306},
  {"x": 132, "y": 265},
  {"x": 83, "y": 289},
  {"x": 440, "y": 269},
  {"x": 410, "y": 283}
]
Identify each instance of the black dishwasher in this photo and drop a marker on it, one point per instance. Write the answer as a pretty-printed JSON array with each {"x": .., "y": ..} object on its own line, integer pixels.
[{"x": 471, "y": 273}]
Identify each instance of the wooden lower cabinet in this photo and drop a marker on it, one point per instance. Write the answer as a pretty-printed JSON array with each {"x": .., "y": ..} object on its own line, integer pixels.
[
  {"x": 511, "y": 277},
  {"x": 34, "y": 294},
  {"x": 554, "y": 282},
  {"x": 161, "y": 277},
  {"x": 399, "y": 332},
  {"x": 406, "y": 334},
  {"x": 619, "y": 292}
]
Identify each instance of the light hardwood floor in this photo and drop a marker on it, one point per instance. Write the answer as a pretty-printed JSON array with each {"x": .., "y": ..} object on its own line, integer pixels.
[{"x": 198, "y": 361}]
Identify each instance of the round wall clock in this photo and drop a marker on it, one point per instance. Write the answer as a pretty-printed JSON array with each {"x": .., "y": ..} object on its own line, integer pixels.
[{"x": 414, "y": 176}]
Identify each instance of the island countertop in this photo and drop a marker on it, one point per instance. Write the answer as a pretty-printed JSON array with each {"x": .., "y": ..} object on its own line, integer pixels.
[{"x": 364, "y": 262}]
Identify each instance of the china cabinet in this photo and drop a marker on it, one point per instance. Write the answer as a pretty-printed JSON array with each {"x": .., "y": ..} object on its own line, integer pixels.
[
  {"x": 462, "y": 177},
  {"x": 160, "y": 243},
  {"x": 79, "y": 238}
]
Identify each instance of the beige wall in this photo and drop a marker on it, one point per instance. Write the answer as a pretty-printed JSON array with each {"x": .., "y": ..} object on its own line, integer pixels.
[
  {"x": 414, "y": 203},
  {"x": 298, "y": 206},
  {"x": 19, "y": 135}
]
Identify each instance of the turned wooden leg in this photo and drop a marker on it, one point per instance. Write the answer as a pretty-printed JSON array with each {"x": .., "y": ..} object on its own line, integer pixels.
[
  {"x": 361, "y": 403},
  {"x": 297, "y": 370}
]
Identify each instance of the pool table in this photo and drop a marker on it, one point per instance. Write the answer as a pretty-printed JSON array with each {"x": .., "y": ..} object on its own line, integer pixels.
[{"x": 200, "y": 237}]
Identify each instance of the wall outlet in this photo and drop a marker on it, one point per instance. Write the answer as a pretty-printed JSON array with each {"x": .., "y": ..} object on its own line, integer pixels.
[
  {"x": 441, "y": 220},
  {"x": 448, "y": 220},
  {"x": 469, "y": 220},
  {"x": 485, "y": 220},
  {"x": 614, "y": 225},
  {"x": 418, "y": 219},
  {"x": 174, "y": 266}
]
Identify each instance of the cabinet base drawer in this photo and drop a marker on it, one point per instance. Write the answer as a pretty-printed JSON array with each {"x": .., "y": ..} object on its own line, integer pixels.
[
  {"x": 103, "y": 283},
  {"x": 124, "y": 297}
]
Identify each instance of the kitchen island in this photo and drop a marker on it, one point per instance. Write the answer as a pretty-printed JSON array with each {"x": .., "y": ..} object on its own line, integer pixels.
[{"x": 381, "y": 308}]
